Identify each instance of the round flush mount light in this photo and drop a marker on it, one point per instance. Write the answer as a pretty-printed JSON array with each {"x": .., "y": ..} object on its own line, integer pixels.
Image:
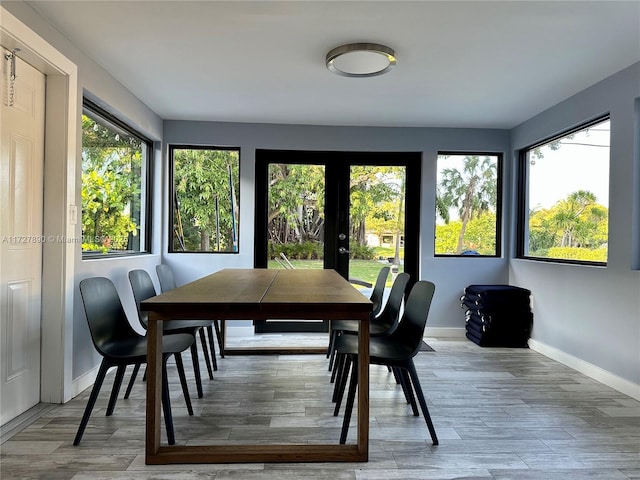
[{"x": 361, "y": 60}]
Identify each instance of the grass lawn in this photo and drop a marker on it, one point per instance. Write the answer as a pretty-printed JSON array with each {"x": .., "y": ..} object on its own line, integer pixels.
[{"x": 366, "y": 270}]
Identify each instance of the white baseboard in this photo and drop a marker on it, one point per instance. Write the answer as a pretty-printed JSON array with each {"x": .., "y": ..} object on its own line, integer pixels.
[
  {"x": 592, "y": 371},
  {"x": 239, "y": 331},
  {"x": 84, "y": 381},
  {"x": 437, "y": 332},
  {"x": 444, "y": 332}
]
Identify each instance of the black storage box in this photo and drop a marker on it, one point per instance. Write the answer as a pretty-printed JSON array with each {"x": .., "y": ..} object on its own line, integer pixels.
[{"x": 497, "y": 315}]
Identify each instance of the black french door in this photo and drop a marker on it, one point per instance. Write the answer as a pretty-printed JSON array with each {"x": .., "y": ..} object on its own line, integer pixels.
[{"x": 352, "y": 212}]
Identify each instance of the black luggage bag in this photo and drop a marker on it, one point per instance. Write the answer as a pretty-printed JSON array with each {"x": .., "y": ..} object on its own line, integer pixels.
[{"x": 497, "y": 315}]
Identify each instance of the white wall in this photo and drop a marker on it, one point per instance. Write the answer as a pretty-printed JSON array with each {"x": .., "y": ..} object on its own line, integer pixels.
[
  {"x": 591, "y": 315},
  {"x": 98, "y": 83}
]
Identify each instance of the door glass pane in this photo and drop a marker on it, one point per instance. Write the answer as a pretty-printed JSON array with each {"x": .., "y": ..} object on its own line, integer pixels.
[
  {"x": 295, "y": 226},
  {"x": 376, "y": 221}
]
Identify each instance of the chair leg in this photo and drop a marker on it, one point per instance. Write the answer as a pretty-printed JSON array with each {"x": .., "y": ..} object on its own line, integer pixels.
[
  {"x": 411, "y": 368},
  {"x": 395, "y": 374},
  {"x": 351, "y": 396},
  {"x": 196, "y": 367},
  {"x": 132, "y": 380},
  {"x": 205, "y": 352},
  {"x": 332, "y": 353},
  {"x": 117, "y": 383},
  {"x": 183, "y": 382},
  {"x": 219, "y": 336},
  {"x": 104, "y": 366},
  {"x": 341, "y": 383},
  {"x": 212, "y": 345},
  {"x": 166, "y": 404},
  {"x": 331, "y": 342},
  {"x": 336, "y": 375},
  {"x": 405, "y": 382},
  {"x": 337, "y": 366}
]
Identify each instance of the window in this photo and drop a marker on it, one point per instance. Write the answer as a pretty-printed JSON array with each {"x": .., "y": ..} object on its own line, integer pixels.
[
  {"x": 116, "y": 164},
  {"x": 468, "y": 204},
  {"x": 565, "y": 196},
  {"x": 204, "y": 208}
]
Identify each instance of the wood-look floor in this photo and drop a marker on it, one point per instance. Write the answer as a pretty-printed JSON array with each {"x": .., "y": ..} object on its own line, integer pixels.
[{"x": 499, "y": 413}]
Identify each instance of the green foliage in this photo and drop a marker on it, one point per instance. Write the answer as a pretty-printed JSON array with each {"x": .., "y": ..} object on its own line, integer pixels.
[
  {"x": 111, "y": 186},
  {"x": 575, "y": 228},
  {"x": 201, "y": 181},
  {"x": 361, "y": 252},
  {"x": 447, "y": 238},
  {"x": 480, "y": 236},
  {"x": 296, "y": 251},
  {"x": 296, "y": 204},
  {"x": 376, "y": 196},
  {"x": 473, "y": 190},
  {"x": 577, "y": 253}
]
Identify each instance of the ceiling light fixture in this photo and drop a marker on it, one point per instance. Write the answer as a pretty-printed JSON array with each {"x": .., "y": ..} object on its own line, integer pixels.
[{"x": 361, "y": 60}]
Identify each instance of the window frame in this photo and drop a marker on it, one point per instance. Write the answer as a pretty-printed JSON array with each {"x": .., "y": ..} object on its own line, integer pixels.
[
  {"x": 171, "y": 214},
  {"x": 522, "y": 221},
  {"x": 499, "y": 186},
  {"x": 146, "y": 191}
]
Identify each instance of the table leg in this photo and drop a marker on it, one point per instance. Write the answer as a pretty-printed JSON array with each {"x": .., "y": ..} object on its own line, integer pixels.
[
  {"x": 223, "y": 336},
  {"x": 363, "y": 388},
  {"x": 154, "y": 383}
]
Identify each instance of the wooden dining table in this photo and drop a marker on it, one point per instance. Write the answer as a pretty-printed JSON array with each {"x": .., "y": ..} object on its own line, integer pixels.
[{"x": 257, "y": 294}]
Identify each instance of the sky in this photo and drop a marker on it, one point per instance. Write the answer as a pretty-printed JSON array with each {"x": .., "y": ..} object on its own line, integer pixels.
[{"x": 581, "y": 163}]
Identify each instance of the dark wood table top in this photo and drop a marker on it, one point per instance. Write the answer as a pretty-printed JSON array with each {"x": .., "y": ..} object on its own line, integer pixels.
[{"x": 235, "y": 293}]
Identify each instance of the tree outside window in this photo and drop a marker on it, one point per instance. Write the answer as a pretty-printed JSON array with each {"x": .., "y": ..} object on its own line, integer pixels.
[
  {"x": 467, "y": 204},
  {"x": 567, "y": 185},
  {"x": 114, "y": 166},
  {"x": 204, "y": 204}
]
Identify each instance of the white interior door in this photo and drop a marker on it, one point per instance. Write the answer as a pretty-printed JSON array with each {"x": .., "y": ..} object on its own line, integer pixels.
[{"x": 21, "y": 209}]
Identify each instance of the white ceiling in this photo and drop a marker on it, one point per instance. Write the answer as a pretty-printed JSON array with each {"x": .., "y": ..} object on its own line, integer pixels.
[{"x": 460, "y": 64}]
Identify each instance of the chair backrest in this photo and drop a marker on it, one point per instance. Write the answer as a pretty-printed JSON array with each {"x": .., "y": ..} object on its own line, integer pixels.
[
  {"x": 165, "y": 277},
  {"x": 391, "y": 313},
  {"x": 143, "y": 288},
  {"x": 414, "y": 319},
  {"x": 378, "y": 290},
  {"x": 108, "y": 323}
]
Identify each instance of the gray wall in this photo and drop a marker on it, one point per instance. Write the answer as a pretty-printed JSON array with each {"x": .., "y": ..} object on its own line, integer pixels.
[
  {"x": 593, "y": 313},
  {"x": 587, "y": 312},
  {"x": 450, "y": 274}
]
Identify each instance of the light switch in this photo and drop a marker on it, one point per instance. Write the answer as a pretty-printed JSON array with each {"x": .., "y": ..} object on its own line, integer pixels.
[{"x": 73, "y": 214}]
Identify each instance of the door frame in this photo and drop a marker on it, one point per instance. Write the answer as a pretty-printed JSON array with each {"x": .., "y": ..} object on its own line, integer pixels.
[
  {"x": 335, "y": 161},
  {"x": 60, "y": 205}
]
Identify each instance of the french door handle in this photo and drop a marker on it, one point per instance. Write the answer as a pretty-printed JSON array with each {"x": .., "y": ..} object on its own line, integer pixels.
[{"x": 342, "y": 250}]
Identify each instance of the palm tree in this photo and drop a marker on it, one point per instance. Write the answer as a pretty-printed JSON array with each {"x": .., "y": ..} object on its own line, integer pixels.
[
  {"x": 473, "y": 190},
  {"x": 568, "y": 217}
]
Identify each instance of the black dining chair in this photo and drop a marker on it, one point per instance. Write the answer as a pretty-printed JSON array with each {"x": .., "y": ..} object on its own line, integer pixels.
[
  {"x": 377, "y": 298},
  {"x": 143, "y": 289},
  {"x": 168, "y": 282},
  {"x": 395, "y": 351},
  {"x": 120, "y": 345},
  {"x": 380, "y": 326}
]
